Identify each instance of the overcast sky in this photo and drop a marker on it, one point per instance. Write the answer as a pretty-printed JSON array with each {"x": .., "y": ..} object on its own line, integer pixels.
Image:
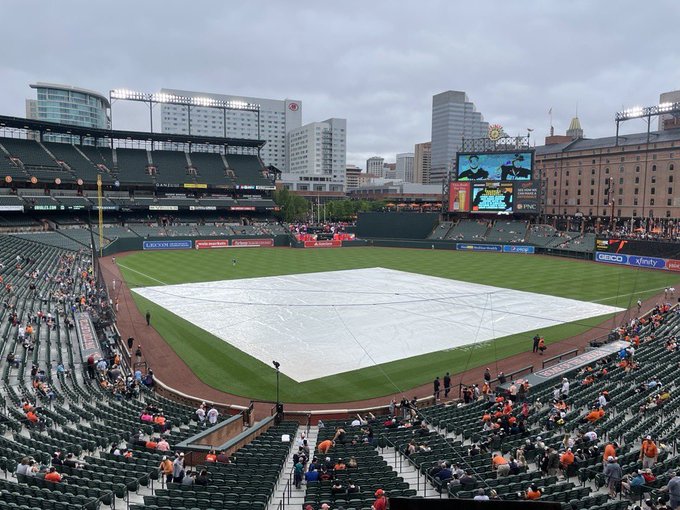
[{"x": 375, "y": 63}]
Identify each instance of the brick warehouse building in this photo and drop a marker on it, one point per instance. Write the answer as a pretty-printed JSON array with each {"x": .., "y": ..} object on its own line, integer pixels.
[{"x": 575, "y": 175}]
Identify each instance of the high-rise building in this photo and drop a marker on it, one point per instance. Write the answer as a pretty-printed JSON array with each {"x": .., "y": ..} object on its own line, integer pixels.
[
  {"x": 276, "y": 119},
  {"x": 405, "y": 166},
  {"x": 66, "y": 104},
  {"x": 575, "y": 130},
  {"x": 668, "y": 121},
  {"x": 352, "y": 173},
  {"x": 390, "y": 170},
  {"x": 422, "y": 162},
  {"x": 375, "y": 166},
  {"x": 454, "y": 117},
  {"x": 317, "y": 152}
]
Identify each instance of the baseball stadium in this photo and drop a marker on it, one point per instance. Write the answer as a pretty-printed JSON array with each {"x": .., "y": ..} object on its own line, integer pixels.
[{"x": 164, "y": 318}]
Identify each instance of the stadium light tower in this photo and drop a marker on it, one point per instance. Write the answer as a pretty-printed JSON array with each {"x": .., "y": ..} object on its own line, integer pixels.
[{"x": 152, "y": 99}]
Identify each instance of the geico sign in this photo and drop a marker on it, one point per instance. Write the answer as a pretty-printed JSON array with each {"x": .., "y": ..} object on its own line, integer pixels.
[{"x": 610, "y": 257}]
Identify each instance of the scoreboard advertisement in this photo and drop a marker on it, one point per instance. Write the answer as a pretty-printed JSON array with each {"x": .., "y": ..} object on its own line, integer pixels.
[{"x": 492, "y": 197}]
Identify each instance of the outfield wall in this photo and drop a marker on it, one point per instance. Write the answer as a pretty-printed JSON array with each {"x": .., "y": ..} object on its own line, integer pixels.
[
  {"x": 396, "y": 225},
  {"x": 189, "y": 243}
]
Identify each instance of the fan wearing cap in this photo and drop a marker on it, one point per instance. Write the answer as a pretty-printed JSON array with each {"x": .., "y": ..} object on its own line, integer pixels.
[
  {"x": 533, "y": 492},
  {"x": 649, "y": 453},
  {"x": 165, "y": 468},
  {"x": 613, "y": 475},
  {"x": 380, "y": 502}
]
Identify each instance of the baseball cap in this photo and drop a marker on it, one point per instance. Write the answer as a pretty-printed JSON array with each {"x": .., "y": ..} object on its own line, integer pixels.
[
  {"x": 379, "y": 493},
  {"x": 610, "y": 459}
]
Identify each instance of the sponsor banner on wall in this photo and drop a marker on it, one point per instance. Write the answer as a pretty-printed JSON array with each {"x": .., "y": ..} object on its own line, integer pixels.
[
  {"x": 202, "y": 208},
  {"x": 211, "y": 243},
  {"x": 638, "y": 261},
  {"x": 244, "y": 243},
  {"x": 478, "y": 247},
  {"x": 330, "y": 243},
  {"x": 180, "y": 244},
  {"x": 241, "y": 208},
  {"x": 163, "y": 208},
  {"x": 12, "y": 208},
  {"x": 511, "y": 248}
]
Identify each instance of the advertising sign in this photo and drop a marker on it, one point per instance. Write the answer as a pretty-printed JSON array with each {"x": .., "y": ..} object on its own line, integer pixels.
[
  {"x": 478, "y": 247},
  {"x": 526, "y": 197},
  {"x": 245, "y": 243},
  {"x": 181, "y": 244},
  {"x": 163, "y": 208},
  {"x": 12, "y": 208},
  {"x": 211, "y": 243},
  {"x": 459, "y": 196},
  {"x": 492, "y": 198},
  {"x": 331, "y": 243},
  {"x": 512, "y": 248}
]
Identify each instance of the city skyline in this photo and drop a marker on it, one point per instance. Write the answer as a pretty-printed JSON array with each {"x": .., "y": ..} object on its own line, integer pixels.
[{"x": 513, "y": 83}]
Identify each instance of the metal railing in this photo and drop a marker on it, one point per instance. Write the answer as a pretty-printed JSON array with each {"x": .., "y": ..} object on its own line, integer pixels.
[{"x": 559, "y": 357}]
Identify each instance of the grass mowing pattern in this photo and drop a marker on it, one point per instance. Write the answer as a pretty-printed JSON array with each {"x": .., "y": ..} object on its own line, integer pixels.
[{"x": 226, "y": 368}]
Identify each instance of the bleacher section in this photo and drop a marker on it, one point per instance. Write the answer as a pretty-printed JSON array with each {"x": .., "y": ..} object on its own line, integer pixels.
[
  {"x": 132, "y": 166},
  {"x": 441, "y": 231},
  {"x": 248, "y": 170},
  {"x": 79, "y": 165},
  {"x": 210, "y": 168},
  {"x": 541, "y": 235},
  {"x": 469, "y": 230},
  {"x": 171, "y": 167},
  {"x": 507, "y": 232}
]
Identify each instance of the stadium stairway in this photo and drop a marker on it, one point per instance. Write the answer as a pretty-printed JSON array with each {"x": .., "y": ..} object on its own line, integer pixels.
[
  {"x": 409, "y": 473},
  {"x": 292, "y": 496}
]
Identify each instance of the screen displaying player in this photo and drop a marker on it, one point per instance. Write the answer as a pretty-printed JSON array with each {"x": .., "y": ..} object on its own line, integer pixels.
[{"x": 495, "y": 166}]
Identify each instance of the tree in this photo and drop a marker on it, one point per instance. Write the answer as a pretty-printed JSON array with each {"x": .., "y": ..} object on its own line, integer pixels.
[{"x": 293, "y": 207}]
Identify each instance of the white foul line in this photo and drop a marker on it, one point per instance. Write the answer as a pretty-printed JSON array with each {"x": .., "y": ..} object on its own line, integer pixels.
[{"x": 144, "y": 275}]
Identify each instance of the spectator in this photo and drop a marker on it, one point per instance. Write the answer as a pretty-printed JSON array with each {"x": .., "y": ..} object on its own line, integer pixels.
[
  {"x": 202, "y": 478},
  {"x": 480, "y": 496},
  {"x": 52, "y": 475},
  {"x": 673, "y": 489},
  {"x": 613, "y": 475},
  {"x": 380, "y": 502},
  {"x": 649, "y": 452},
  {"x": 500, "y": 465},
  {"x": 165, "y": 468},
  {"x": 533, "y": 492}
]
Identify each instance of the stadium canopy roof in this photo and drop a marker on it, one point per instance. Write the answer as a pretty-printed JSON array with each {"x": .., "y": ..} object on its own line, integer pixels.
[{"x": 55, "y": 127}]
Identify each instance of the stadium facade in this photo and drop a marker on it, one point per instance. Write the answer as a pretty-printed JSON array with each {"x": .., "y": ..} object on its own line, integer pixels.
[
  {"x": 276, "y": 118},
  {"x": 576, "y": 176}
]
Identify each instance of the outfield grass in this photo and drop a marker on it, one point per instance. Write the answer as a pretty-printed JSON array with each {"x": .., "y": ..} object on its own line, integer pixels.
[{"x": 226, "y": 368}]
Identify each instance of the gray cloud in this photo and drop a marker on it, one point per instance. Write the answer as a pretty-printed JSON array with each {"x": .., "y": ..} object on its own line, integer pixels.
[{"x": 375, "y": 63}]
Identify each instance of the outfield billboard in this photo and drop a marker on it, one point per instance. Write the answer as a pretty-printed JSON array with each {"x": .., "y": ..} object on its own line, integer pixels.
[
  {"x": 526, "y": 197},
  {"x": 637, "y": 261},
  {"x": 495, "y": 166},
  {"x": 459, "y": 196},
  {"x": 180, "y": 244}
]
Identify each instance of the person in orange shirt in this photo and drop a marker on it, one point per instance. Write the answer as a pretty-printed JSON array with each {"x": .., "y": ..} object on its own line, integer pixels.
[
  {"x": 32, "y": 417},
  {"x": 609, "y": 451},
  {"x": 151, "y": 444},
  {"x": 594, "y": 415},
  {"x": 324, "y": 446},
  {"x": 166, "y": 468},
  {"x": 52, "y": 475},
  {"x": 648, "y": 453},
  {"x": 501, "y": 465},
  {"x": 566, "y": 459},
  {"x": 211, "y": 456},
  {"x": 533, "y": 493}
]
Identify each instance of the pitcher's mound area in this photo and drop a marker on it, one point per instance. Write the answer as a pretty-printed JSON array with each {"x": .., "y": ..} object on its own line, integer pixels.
[{"x": 320, "y": 324}]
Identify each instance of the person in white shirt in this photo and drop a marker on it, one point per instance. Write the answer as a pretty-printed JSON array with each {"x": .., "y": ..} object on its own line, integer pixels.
[
  {"x": 565, "y": 386},
  {"x": 200, "y": 414},
  {"x": 481, "y": 496},
  {"x": 212, "y": 415},
  {"x": 601, "y": 400}
]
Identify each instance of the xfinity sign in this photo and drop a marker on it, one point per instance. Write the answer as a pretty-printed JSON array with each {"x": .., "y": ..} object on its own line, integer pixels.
[{"x": 651, "y": 262}]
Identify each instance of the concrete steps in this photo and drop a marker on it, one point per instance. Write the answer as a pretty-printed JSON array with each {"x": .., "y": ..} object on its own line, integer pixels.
[{"x": 286, "y": 494}]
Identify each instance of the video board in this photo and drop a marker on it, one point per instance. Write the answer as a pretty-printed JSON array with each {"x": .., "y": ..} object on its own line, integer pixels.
[
  {"x": 495, "y": 166},
  {"x": 490, "y": 198}
]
